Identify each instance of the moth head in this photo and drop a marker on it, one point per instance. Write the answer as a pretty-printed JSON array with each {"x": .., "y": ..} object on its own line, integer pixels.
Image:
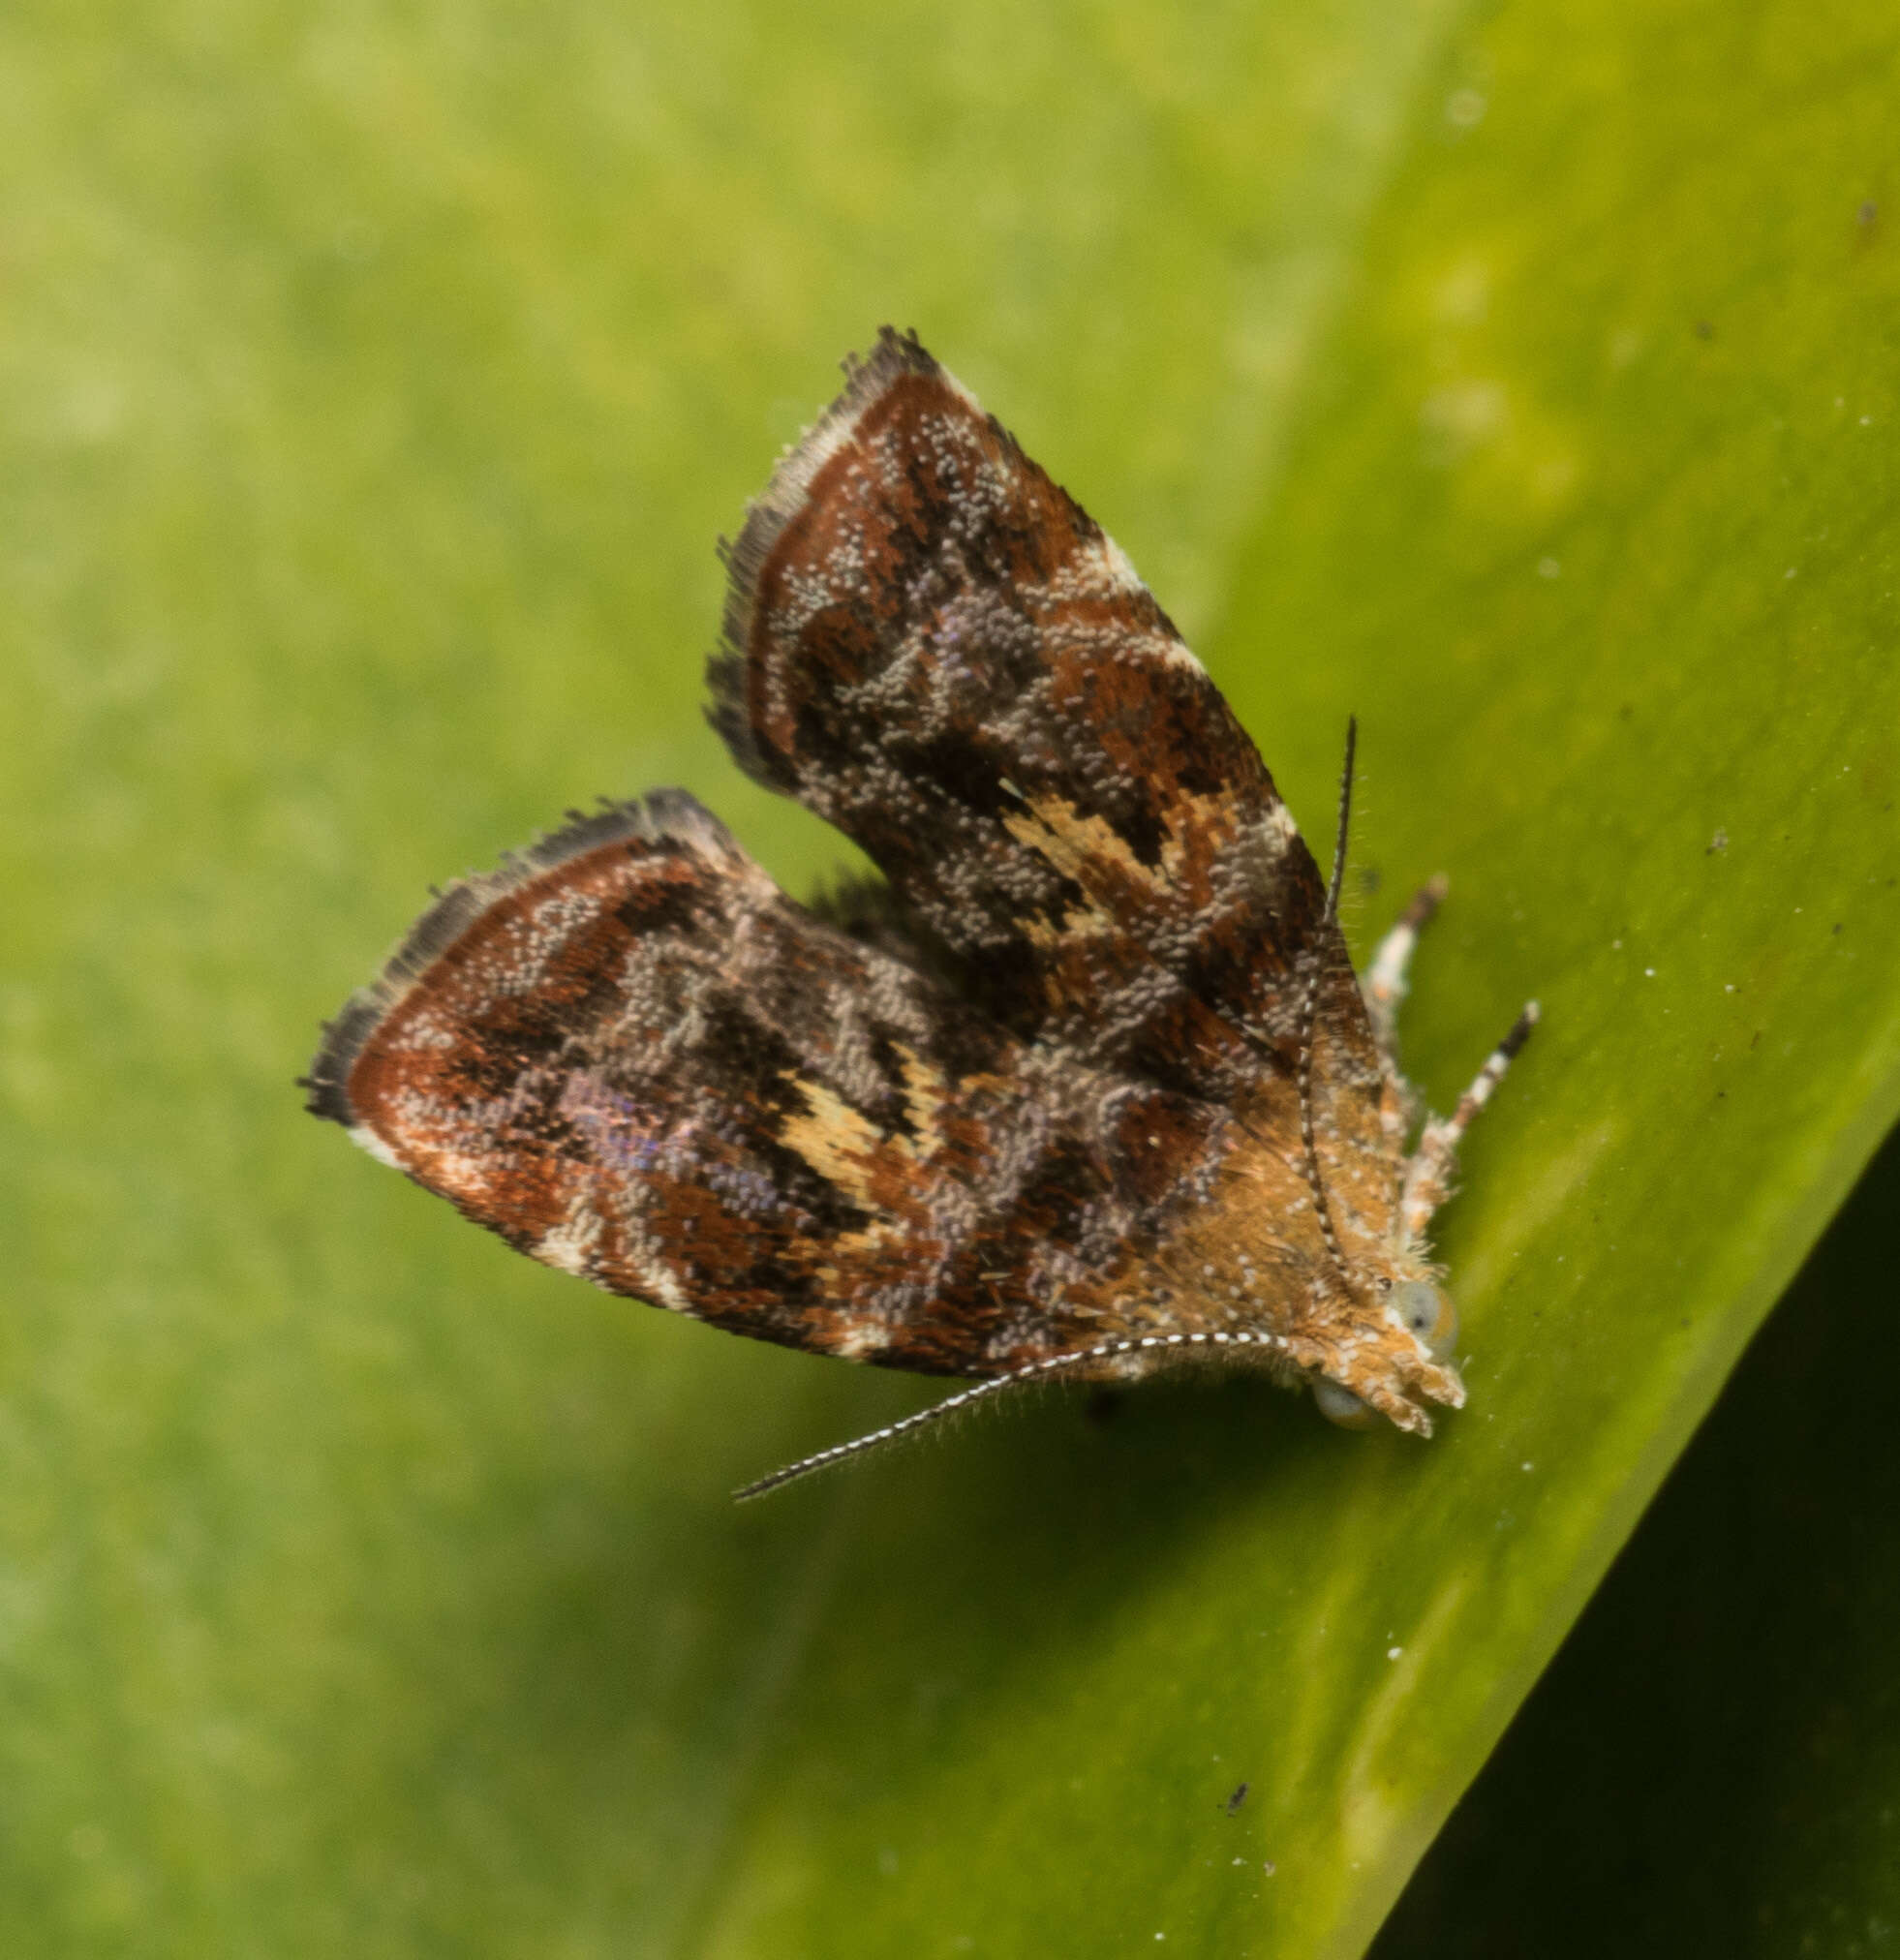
[{"x": 1412, "y": 1349}]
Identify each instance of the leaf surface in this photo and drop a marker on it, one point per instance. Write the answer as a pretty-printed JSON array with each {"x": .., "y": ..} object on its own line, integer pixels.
[{"x": 374, "y": 384}]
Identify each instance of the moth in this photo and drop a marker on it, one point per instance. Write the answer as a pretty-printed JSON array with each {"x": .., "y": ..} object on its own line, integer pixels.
[{"x": 1084, "y": 1084}]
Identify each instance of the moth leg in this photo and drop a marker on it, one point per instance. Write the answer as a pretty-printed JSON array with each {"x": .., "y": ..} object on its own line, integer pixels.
[
  {"x": 1428, "y": 1174},
  {"x": 1385, "y": 984}
]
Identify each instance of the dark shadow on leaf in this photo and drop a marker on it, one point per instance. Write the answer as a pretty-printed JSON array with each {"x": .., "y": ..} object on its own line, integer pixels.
[{"x": 1712, "y": 1762}]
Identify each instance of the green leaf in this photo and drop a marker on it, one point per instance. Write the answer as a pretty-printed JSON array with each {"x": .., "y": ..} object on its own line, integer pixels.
[{"x": 374, "y": 383}]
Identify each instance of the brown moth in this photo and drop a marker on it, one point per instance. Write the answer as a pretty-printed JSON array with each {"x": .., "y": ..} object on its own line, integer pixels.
[{"x": 1083, "y": 1084}]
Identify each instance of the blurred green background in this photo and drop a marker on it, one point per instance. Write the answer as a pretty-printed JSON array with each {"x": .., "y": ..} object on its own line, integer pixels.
[{"x": 374, "y": 381}]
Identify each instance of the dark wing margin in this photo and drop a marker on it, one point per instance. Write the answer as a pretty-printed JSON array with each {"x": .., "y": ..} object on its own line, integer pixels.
[
  {"x": 930, "y": 645},
  {"x": 458, "y": 908},
  {"x": 633, "y": 1057}
]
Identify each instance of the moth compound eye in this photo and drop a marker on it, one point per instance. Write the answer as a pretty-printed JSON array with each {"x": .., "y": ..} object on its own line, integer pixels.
[
  {"x": 1340, "y": 1405},
  {"x": 1427, "y": 1315}
]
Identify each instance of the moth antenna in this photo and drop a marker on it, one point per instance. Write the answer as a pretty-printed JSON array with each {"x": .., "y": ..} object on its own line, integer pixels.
[
  {"x": 1309, "y": 1012},
  {"x": 908, "y": 1425},
  {"x": 1345, "y": 821}
]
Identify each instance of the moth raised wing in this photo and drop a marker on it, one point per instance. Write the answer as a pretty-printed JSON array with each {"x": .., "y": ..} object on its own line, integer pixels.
[
  {"x": 637, "y": 1060},
  {"x": 932, "y": 645}
]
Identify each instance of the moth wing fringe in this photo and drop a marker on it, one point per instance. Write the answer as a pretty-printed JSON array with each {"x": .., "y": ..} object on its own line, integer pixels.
[
  {"x": 662, "y": 812},
  {"x": 866, "y": 378}
]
